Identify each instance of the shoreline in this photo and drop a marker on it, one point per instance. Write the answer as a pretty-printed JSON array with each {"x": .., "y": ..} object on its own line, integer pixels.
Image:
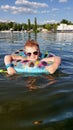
[{"x": 11, "y": 31}]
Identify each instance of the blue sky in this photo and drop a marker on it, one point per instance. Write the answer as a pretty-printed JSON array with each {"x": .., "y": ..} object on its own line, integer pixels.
[{"x": 44, "y": 10}]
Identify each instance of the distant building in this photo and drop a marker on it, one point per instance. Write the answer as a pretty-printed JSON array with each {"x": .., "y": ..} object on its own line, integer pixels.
[
  {"x": 65, "y": 28},
  {"x": 44, "y": 30}
]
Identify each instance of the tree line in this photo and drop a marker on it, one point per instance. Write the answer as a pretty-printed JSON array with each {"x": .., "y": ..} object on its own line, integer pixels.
[{"x": 18, "y": 27}]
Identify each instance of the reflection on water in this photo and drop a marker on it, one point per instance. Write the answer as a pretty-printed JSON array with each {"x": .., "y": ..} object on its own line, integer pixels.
[
  {"x": 37, "y": 102},
  {"x": 64, "y": 37},
  {"x": 14, "y": 36}
]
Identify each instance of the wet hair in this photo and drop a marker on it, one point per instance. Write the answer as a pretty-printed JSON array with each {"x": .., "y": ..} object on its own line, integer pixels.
[{"x": 31, "y": 43}]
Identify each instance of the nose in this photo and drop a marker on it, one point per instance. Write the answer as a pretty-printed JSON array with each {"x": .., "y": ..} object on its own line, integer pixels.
[{"x": 32, "y": 55}]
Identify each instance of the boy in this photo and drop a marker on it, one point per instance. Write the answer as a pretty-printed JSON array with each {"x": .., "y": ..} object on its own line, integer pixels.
[{"x": 32, "y": 53}]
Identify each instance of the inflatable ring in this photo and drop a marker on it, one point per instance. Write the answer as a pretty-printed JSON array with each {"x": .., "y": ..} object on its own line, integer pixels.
[{"x": 26, "y": 66}]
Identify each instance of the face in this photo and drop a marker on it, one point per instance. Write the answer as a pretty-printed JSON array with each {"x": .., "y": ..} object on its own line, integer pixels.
[{"x": 32, "y": 53}]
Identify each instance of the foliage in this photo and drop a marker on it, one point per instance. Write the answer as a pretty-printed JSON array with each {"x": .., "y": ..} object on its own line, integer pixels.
[
  {"x": 66, "y": 21},
  {"x": 51, "y": 27},
  {"x": 29, "y": 26},
  {"x": 35, "y": 25}
]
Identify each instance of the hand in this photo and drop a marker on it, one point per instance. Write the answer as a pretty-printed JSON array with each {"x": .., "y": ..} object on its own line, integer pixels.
[{"x": 11, "y": 71}]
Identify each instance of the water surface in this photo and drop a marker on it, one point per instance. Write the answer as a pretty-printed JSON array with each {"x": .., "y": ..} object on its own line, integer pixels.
[{"x": 43, "y": 102}]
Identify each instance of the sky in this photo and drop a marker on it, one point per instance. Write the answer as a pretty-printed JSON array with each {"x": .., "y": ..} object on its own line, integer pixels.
[{"x": 46, "y": 11}]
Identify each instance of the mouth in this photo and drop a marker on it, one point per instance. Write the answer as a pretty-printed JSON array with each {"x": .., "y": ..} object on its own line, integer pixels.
[{"x": 31, "y": 64}]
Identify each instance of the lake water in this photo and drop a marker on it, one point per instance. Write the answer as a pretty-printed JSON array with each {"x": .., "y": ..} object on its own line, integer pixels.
[{"x": 43, "y": 102}]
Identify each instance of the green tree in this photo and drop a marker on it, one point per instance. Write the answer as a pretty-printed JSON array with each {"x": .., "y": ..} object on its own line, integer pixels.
[
  {"x": 29, "y": 25},
  {"x": 25, "y": 26},
  {"x": 15, "y": 26},
  {"x": 35, "y": 25},
  {"x": 10, "y": 25},
  {"x": 54, "y": 27},
  {"x": 19, "y": 28},
  {"x": 48, "y": 27},
  {"x": 66, "y": 21}
]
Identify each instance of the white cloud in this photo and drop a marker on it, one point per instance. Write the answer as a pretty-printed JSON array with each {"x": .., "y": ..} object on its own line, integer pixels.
[
  {"x": 6, "y": 20},
  {"x": 45, "y": 12},
  {"x": 55, "y": 9},
  {"x": 50, "y": 21},
  {"x": 68, "y": 8},
  {"x": 24, "y": 6},
  {"x": 15, "y": 10},
  {"x": 60, "y": 0},
  {"x": 63, "y": 0},
  {"x": 31, "y": 4}
]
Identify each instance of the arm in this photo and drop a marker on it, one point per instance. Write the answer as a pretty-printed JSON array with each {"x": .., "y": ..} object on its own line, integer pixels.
[
  {"x": 56, "y": 62},
  {"x": 8, "y": 60}
]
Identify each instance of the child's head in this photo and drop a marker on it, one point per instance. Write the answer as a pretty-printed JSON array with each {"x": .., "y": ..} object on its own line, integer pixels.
[{"x": 32, "y": 50}]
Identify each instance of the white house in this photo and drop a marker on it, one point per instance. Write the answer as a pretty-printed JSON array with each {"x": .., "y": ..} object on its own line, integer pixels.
[{"x": 65, "y": 28}]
